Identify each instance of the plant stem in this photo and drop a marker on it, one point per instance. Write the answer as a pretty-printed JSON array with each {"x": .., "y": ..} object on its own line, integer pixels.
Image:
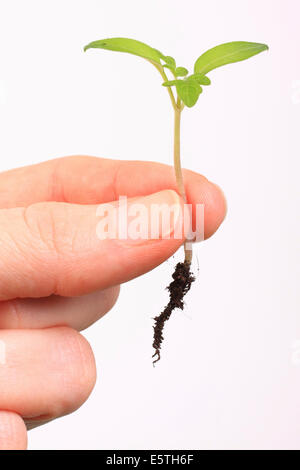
[
  {"x": 177, "y": 163},
  {"x": 165, "y": 78},
  {"x": 178, "y": 171},
  {"x": 178, "y": 107}
]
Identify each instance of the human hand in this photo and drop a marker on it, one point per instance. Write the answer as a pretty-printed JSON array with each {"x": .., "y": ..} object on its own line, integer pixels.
[{"x": 57, "y": 277}]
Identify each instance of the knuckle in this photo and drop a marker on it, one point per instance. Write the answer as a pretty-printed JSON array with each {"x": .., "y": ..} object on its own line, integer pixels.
[{"x": 47, "y": 226}]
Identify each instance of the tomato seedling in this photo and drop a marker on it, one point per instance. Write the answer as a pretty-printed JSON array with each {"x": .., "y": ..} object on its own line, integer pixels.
[{"x": 184, "y": 90}]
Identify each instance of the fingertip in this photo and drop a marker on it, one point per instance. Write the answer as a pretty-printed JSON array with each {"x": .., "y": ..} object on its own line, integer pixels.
[
  {"x": 13, "y": 433},
  {"x": 202, "y": 191},
  {"x": 216, "y": 209},
  {"x": 80, "y": 378}
]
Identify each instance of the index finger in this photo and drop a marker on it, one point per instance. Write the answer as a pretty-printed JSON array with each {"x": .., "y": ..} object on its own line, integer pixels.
[{"x": 92, "y": 180}]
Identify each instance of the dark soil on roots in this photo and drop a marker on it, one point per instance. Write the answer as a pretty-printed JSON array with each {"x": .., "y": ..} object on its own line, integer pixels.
[{"x": 181, "y": 284}]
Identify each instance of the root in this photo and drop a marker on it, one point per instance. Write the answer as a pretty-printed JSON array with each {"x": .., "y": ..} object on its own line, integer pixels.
[{"x": 181, "y": 284}]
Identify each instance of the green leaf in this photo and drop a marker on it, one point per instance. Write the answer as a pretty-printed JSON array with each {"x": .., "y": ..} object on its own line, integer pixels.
[
  {"x": 169, "y": 67},
  {"x": 226, "y": 54},
  {"x": 127, "y": 45},
  {"x": 200, "y": 78},
  {"x": 189, "y": 91},
  {"x": 181, "y": 72},
  {"x": 169, "y": 60},
  {"x": 171, "y": 82}
]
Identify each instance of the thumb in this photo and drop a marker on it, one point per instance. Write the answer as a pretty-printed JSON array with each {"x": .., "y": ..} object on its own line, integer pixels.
[{"x": 69, "y": 249}]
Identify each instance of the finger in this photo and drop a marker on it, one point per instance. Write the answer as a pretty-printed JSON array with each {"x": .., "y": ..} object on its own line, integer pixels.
[
  {"x": 76, "y": 312},
  {"x": 91, "y": 180},
  {"x": 54, "y": 248},
  {"x": 13, "y": 434},
  {"x": 46, "y": 373}
]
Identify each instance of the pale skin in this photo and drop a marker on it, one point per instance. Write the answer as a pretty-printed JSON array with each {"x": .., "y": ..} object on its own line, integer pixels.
[{"x": 57, "y": 277}]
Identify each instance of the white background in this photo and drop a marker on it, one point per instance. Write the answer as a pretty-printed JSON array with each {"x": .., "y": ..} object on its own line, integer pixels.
[{"x": 229, "y": 376}]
